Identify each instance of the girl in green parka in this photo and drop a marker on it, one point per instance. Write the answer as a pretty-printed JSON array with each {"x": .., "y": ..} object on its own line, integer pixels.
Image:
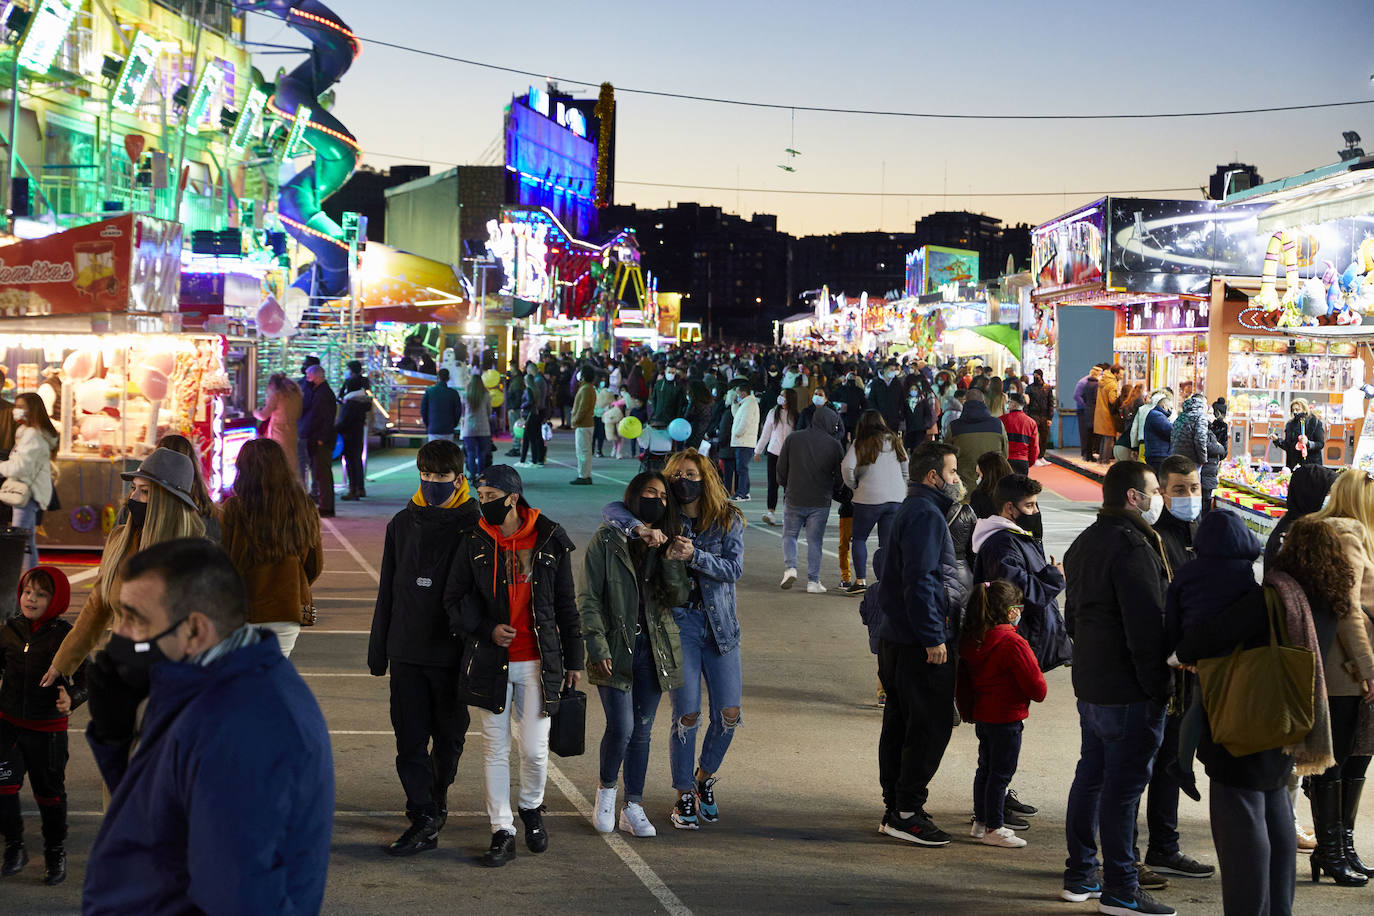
[{"x": 629, "y": 590}]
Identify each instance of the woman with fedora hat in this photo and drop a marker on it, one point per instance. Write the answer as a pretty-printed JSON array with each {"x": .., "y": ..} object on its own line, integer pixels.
[{"x": 159, "y": 508}]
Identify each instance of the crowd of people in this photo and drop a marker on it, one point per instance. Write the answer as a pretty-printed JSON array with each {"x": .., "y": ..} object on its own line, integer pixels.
[{"x": 479, "y": 610}]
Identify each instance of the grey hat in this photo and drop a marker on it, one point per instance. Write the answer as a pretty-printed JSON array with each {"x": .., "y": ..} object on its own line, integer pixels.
[
  {"x": 502, "y": 477},
  {"x": 172, "y": 471}
]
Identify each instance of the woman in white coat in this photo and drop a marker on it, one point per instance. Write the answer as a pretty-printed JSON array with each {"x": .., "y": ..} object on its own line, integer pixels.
[
  {"x": 782, "y": 420},
  {"x": 30, "y": 464}
]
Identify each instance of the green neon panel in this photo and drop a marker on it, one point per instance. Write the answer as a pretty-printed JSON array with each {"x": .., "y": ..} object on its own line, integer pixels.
[
  {"x": 211, "y": 78},
  {"x": 297, "y": 131},
  {"x": 250, "y": 119},
  {"x": 45, "y": 34},
  {"x": 137, "y": 70}
]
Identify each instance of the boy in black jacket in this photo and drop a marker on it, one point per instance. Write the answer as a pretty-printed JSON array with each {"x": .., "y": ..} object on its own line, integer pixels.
[
  {"x": 410, "y": 630},
  {"x": 33, "y": 719}
]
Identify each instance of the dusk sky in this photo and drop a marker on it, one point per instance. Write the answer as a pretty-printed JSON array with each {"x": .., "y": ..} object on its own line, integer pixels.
[{"x": 970, "y": 57}]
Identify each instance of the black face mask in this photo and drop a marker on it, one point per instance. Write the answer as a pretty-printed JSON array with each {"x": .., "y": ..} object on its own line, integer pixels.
[
  {"x": 138, "y": 512},
  {"x": 437, "y": 492},
  {"x": 494, "y": 512},
  {"x": 686, "y": 491},
  {"x": 134, "y": 659},
  {"x": 650, "y": 510}
]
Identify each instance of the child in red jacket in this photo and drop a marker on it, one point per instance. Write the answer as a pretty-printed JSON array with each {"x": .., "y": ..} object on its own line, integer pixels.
[{"x": 997, "y": 680}]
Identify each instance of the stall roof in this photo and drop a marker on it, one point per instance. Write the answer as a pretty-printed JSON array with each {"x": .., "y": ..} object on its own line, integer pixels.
[
  {"x": 1336, "y": 191},
  {"x": 799, "y": 316}
]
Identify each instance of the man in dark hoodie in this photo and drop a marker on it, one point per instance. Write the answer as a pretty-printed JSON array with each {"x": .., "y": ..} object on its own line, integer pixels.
[
  {"x": 33, "y": 719},
  {"x": 411, "y": 632},
  {"x": 809, "y": 471},
  {"x": 1116, "y": 575},
  {"x": 974, "y": 434},
  {"x": 317, "y": 429},
  {"x": 915, "y": 661}
]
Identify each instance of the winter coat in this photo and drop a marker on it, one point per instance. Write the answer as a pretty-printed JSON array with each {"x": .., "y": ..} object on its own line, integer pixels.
[
  {"x": 669, "y": 401},
  {"x": 98, "y": 613},
  {"x": 1006, "y": 551},
  {"x": 278, "y": 591},
  {"x": 886, "y": 398},
  {"x": 1040, "y": 398},
  {"x": 883, "y": 481},
  {"x": 353, "y": 411},
  {"x": 699, "y": 415},
  {"x": 1114, "y": 609},
  {"x": 583, "y": 407},
  {"x": 410, "y": 623},
  {"x": 228, "y": 804},
  {"x": 809, "y": 463},
  {"x": 477, "y": 599},
  {"x": 998, "y": 678},
  {"x": 1158, "y": 435},
  {"x": 1085, "y": 393},
  {"x": 610, "y": 421},
  {"x": 477, "y": 416},
  {"x": 609, "y": 602},
  {"x": 974, "y": 434},
  {"x": 283, "y": 413},
  {"x": 717, "y": 564},
  {"x": 744, "y": 428},
  {"x": 25, "y": 654},
  {"x": 535, "y": 400},
  {"x": 1106, "y": 421},
  {"x": 1310, "y": 426},
  {"x": 775, "y": 430},
  {"x": 1221, "y": 575},
  {"x": 962, "y": 522},
  {"x": 317, "y": 418},
  {"x": 1023, "y": 436},
  {"x": 918, "y": 565},
  {"x": 1193, "y": 438},
  {"x": 1176, "y": 537},
  {"x": 851, "y": 398},
  {"x": 441, "y": 408},
  {"x": 1350, "y": 658},
  {"x": 30, "y": 461}
]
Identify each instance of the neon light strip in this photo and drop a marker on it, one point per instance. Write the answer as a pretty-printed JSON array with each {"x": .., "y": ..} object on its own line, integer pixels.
[
  {"x": 313, "y": 125},
  {"x": 311, "y": 231},
  {"x": 336, "y": 26}
]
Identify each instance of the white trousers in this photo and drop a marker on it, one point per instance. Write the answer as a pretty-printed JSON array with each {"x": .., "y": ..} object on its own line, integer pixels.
[
  {"x": 525, "y": 698},
  {"x": 286, "y": 635},
  {"x": 582, "y": 440}
]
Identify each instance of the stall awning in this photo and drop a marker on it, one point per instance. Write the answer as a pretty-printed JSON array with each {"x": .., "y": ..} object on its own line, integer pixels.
[{"x": 1319, "y": 207}]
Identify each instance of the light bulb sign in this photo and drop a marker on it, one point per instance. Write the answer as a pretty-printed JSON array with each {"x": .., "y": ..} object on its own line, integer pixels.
[
  {"x": 211, "y": 79},
  {"x": 523, "y": 250},
  {"x": 46, "y": 32},
  {"x": 298, "y": 127},
  {"x": 246, "y": 128},
  {"x": 137, "y": 70}
]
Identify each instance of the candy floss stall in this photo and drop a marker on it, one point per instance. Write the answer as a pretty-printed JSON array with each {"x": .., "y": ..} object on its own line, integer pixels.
[{"x": 89, "y": 321}]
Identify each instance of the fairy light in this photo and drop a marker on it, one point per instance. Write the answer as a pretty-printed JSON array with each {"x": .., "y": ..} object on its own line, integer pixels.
[
  {"x": 336, "y": 26},
  {"x": 302, "y": 227},
  {"x": 313, "y": 125}
]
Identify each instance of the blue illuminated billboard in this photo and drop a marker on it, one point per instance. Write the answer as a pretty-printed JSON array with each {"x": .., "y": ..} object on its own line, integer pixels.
[{"x": 550, "y": 162}]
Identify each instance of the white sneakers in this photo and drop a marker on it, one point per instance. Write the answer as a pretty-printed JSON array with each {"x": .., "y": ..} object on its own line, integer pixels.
[
  {"x": 603, "y": 819},
  {"x": 1002, "y": 836},
  {"x": 978, "y": 830},
  {"x": 815, "y": 588},
  {"x": 635, "y": 822},
  {"x": 768, "y": 518},
  {"x": 789, "y": 575}
]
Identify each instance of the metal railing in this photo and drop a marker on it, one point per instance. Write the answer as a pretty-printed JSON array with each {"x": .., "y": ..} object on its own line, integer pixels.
[{"x": 76, "y": 197}]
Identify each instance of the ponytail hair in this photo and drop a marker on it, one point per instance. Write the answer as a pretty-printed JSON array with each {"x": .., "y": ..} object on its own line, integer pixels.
[{"x": 988, "y": 606}]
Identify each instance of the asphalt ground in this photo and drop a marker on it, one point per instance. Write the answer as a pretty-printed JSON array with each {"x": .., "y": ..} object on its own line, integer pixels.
[{"x": 798, "y": 791}]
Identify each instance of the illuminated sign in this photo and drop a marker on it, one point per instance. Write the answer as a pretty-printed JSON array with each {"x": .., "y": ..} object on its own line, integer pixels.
[
  {"x": 562, "y": 114},
  {"x": 46, "y": 32},
  {"x": 297, "y": 131},
  {"x": 137, "y": 70},
  {"x": 211, "y": 79},
  {"x": 246, "y": 128},
  {"x": 523, "y": 250}
]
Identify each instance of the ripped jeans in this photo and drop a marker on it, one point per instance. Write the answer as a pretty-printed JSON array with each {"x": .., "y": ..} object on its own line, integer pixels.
[
  {"x": 630, "y": 724},
  {"x": 724, "y": 682}
]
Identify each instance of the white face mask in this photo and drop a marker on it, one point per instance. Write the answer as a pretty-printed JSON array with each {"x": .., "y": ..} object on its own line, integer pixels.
[
  {"x": 818, "y": 400},
  {"x": 782, "y": 401},
  {"x": 20, "y": 413},
  {"x": 1152, "y": 514},
  {"x": 669, "y": 376}
]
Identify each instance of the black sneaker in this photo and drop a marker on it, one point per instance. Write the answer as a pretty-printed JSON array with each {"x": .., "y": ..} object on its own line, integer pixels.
[
  {"x": 1138, "y": 901},
  {"x": 536, "y": 837},
  {"x": 502, "y": 849},
  {"x": 918, "y": 829},
  {"x": 421, "y": 836},
  {"x": 1014, "y": 805},
  {"x": 1178, "y": 864},
  {"x": 685, "y": 812},
  {"x": 1079, "y": 891},
  {"x": 706, "y": 800}
]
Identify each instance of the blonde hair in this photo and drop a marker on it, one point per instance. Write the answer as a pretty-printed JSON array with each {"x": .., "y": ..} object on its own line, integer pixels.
[
  {"x": 1299, "y": 402},
  {"x": 1352, "y": 497},
  {"x": 716, "y": 508},
  {"x": 167, "y": 519}
]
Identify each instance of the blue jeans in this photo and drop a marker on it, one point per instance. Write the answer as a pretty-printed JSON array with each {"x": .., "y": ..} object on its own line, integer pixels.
[
  {"x": 477, "y": 451},
  {"x": 724, "y": 681},
  {"x": 26, "y": 516},
  {"x": 742, "y": 458},
  {"x": 867, "y": 515},
  {"x": 999, "y": 748},
  {"x": 1114, "y": 765},
  {"x": 630, "y": 724},
  {"x": 815, "y": 519}
]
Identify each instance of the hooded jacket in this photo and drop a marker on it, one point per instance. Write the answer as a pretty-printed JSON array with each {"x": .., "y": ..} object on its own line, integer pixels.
[
  {"x": 1114, "y": 609},
  {"x": 1023, "y": 436},
  {"x": 998, "y": 678},
  {"x": 1221, "y": 575},
  {"x": 477, "y": 598},
  {"x": 1007, "y": 551},
  {"x": 809, "y": 463},
  {"x": 27, "y": 648},
  {"x": 1137, "y": 428},
  {"x": 918, "y": 564},
  {"x": 1157, "y": 433},
  {"x": 1105, "y": 419},
  {"x": 1193, "y": 438},
  {"x": 1307, "y": 490},
  {"x": 228, "y": 804},
  {"x": 974, "y": 434},
  {"x": 744, "y": 428},
  {"x": 30, "y": 461},
  {"x": 410, "y": 623}
]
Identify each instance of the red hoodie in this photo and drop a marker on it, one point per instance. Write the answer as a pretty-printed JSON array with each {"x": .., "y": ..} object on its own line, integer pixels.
[
  {"x": 998, "y": 678},
  {"x": 61, "y": 595},
  {"x": 516, "y": 555}
]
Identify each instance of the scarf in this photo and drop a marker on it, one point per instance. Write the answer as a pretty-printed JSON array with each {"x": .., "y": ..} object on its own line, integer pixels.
[
  {"x": 460, "y": 495},
  {"x": 245, "y": 635},
  {"x": 1313, "y": 754}
]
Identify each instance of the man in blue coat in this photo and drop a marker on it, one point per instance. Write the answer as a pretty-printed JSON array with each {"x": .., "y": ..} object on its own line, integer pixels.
[
  {"x": 441, "y": 409},
  {"x": 915, "y": 664},
  {"x": 228, "y": 804}
]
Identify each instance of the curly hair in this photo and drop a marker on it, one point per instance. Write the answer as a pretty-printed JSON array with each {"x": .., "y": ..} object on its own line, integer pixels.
[
  {"x": 1313, "y": 555},
  {"x": 268, "y": 516}
]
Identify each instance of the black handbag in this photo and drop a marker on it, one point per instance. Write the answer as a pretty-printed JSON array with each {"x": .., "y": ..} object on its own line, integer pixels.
[{"x": 568, "y": 730}]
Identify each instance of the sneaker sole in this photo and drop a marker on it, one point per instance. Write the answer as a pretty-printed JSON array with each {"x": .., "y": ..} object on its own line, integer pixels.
[
  {"x": 788, "y": 583},
  {"x": 1165, "y": 870},
  {"x": 709, "y": 818},
  {"x": 1003, "y": 845},
  {"x": 893, "y": 832},
  {"x": 681, "y": 825},
  {"x": 1076, "y": 897},
  {"x": 1123, "y": 909}
]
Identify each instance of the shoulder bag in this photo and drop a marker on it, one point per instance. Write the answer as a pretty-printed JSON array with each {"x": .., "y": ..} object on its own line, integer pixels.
[{"x": 568, "y": 730}]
